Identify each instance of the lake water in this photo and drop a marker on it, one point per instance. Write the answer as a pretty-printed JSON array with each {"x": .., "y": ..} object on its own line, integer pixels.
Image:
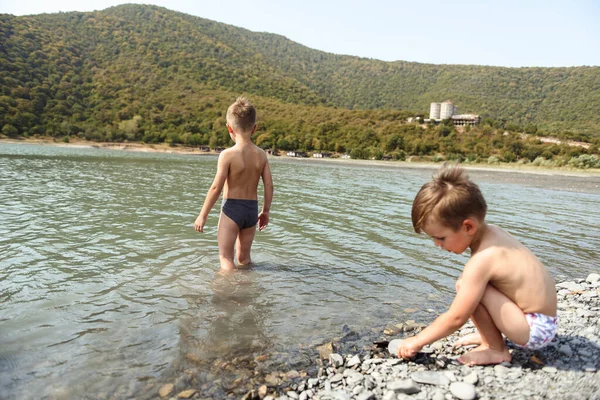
[{"x": 107, "y": 290}]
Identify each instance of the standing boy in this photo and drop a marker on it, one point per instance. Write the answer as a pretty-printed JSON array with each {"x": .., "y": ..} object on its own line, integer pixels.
[
  {"x": 504, "y": 288},
  {"x": 239, "y": 169}
]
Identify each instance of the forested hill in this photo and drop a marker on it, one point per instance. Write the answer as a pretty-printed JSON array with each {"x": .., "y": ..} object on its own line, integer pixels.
[{"x": 77, "y": 71}]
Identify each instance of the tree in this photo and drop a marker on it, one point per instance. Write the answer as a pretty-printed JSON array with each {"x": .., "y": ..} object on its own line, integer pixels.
[{"x": 10, "y": 130}]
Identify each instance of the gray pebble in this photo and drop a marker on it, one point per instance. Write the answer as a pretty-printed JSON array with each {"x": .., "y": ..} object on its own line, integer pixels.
[{"x": 463, "y": 391}]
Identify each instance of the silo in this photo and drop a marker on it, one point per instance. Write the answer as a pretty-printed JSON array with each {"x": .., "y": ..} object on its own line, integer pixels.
[
  {"x": 434, "y": 110},
  {"x": 447, "y": 110}
]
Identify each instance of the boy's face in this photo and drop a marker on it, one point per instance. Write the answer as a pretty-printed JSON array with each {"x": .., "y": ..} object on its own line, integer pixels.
[{"x": 448, "y": 239}]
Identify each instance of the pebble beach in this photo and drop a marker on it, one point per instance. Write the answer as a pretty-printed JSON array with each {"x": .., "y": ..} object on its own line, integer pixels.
[{"x": 568, "y": 368}]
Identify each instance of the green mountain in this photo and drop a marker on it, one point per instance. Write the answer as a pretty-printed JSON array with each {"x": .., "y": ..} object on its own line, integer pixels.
[{"x": 137, "y": 72}]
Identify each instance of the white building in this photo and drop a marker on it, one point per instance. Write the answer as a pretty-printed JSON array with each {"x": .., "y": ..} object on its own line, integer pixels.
[
  {"x": 465, "y": 119},
  {"x": 434, "y": 110},
  {"x": 440, "y": 111},
  {"x": 447, "y": 110}
]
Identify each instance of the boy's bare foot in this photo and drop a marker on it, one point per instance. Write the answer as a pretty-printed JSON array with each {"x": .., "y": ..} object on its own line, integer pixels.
[
  {"x": 473, "y": 338},
  {"x": 483, "y": 355}
]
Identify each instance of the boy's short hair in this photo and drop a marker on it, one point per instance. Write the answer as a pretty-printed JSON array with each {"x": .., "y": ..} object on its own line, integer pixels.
[
  {"x": 241, "y": 115},
  {"x": 449, "y": 198}
]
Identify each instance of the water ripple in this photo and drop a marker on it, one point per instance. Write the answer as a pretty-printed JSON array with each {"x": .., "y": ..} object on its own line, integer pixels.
[{"x": 103, "y": 276}]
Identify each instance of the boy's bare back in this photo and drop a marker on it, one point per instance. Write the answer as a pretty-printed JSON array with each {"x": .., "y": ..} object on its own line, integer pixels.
[
  {"x": 239, "y": 170},
  {"x": 515, "y": 271},
  {"x": 246, "y": 163}
]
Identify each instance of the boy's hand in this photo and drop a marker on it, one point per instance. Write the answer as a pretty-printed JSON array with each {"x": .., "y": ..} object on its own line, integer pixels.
[
  {"x": 199, "y": 224},
  {"x": 409, "y": 348},
  {"x": 263, "y": 220}
]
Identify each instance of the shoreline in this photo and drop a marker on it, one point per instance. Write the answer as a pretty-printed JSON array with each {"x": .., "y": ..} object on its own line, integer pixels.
[
  {"x": 165, "y": 148},
  {"x": 567, "y": 368}
]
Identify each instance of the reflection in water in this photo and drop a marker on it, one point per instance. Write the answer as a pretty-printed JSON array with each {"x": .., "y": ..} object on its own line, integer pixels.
[
  {"x": 226, "y": 336},
  {"x": 238, "y": 326}
]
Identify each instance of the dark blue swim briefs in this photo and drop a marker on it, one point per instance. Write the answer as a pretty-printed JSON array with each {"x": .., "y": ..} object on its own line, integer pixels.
[{"x": 243, "y": 212}]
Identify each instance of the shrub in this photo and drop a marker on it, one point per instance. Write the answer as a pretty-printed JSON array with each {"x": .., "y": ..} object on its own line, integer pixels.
[
  {"x": 585, "y": 161},
  {"x": 493, "y": 160},
  {"x": 399, "y": 156}
]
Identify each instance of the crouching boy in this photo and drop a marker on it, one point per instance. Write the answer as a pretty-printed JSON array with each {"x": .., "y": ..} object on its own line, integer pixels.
[{"x": 504, "y": 288}]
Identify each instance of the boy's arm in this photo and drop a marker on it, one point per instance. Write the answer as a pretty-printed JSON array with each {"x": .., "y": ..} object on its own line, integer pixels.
[
  {"x": 474, "y": 280},
  {"x": 213, "y": 192},
  {"x": 263, "y": 217}
]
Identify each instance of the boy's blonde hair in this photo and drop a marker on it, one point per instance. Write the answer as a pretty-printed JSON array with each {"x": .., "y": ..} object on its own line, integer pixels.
[
  {"x": 449, "y": 198},
  {"x": 241, "y": 115}
]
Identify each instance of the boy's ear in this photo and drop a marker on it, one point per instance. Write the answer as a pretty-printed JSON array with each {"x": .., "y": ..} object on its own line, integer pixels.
[
  {"x": 229, "y": 128},
  {"x": 470, "y": 226}
]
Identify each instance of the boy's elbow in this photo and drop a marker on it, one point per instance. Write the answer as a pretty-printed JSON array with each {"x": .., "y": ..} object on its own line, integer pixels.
[{"x": 456, "y": 321}]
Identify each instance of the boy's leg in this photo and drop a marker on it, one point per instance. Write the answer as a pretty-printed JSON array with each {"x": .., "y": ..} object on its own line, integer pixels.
[
  {"x": 244, "y": 243},
  {"x": 467, "y": 340},
  {"x": 507, "y": 316},
  {"x": 227, "y": 232},
  {"x": 496, "y": 315}
]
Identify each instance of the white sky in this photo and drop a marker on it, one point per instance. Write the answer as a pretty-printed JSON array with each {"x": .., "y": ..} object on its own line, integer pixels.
[{"x": 513, "y": 33}]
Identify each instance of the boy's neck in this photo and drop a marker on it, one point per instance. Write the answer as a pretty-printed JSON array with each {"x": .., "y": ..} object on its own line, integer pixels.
[
  {"x": 242, "y": 139},
  {"x": 479, "y": 234}
]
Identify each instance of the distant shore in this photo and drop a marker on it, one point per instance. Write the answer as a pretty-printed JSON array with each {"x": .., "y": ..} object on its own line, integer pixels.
[{"x": 166, "y": 148}]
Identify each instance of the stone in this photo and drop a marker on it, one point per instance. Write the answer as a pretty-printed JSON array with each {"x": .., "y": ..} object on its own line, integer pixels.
[
  {"x": 389, "y": 395},
  {"x": 438, "y": 395},
  {"x": 592, "y": 278},
  {"x": 262, "y": 391},
  {"x": 566, "y": 350},
  {"x": 186, "y": 394},
  {"x": 325, "y": 350},
  {"x": 406, "y": 386},
  {"x": 358, "y": 389},
  {"x": 273, "y": 379},
  {"x": 249, "y": 395},
  {"x": 392, "y": 330},
  {"x": 500, "y": 369},
  {"x": 463, "y": 391},
  {"x": 430, "y": 378},
  {"x": 572, "y": 286},
  {"x": 393, "y": 347},
  {"x": 336, "y": 360},
  {"x": 450, "y": 375},
  {"x": 366, "y": 396},
  {"x": 353, "y": 361},
  {"x": 165, "y": 390},
  {"x": 292, "y": 374},
  {"x": 472, "y": 378}
]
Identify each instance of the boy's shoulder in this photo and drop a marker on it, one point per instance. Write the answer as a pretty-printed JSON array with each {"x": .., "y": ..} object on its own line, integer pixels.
[
  {"x": 235, "y": 151},
  {"x": 260, "y": 152}
]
